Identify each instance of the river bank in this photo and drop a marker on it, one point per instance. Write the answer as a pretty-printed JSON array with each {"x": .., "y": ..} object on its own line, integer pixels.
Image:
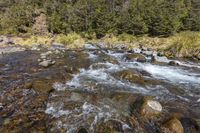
[
  {"x": 180, "y": 45},
  {"x": 96, "y": 88}
]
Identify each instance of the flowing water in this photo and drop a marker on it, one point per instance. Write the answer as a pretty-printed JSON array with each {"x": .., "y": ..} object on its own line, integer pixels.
[
  {"x": 166, "y": 83},
  {"x": 93, "y": 91}
]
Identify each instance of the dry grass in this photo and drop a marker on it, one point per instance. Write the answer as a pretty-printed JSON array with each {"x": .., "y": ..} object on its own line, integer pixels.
[
  {"x": 29, "y": 41},
  {"x": 71, "y": 40},
  {"x": 184, "y": 44}
]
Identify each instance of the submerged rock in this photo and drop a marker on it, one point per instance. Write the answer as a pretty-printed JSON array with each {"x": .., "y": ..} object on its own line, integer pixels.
[{"x": 173, "y": 126}]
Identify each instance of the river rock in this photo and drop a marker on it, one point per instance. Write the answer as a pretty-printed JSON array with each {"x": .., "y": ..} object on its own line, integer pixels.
[
  {"x": 146, "y": 107},
  {"x": 150, "y": 108},
  {"x": 42, "y": 86},
  {"x": 129, "y": 75},
  {"x": 1, "y": 106},
  {"x": 56, "y": 45},
  {"x": 143, "y": 48},
  {"x": 90, "y": 46},
  {"x": 137, "y": 50},
  {"x": 82, "y": 130},
  {"x": 161, "y": 59},
  {"x": 28, "y": 85},
  {"x": 71, "y": 70},
  {"x": 11, "y": 49},
  {"x": 36, "y": 47},
  {"x": 110, "y": 126},
  {"x": 173, "y": 126},
  {"x": 173, "y": 63},
  {"x": 46, "y": 63},
  {"x": 43, "y": 57},
  {"x": 1, "y": 39},
  {"x": 6, "y": 40},
  {"x": 147, "y": 53},
  {"x": 190, "y": 125},
  {"x": 136, "y": 57},
  {"x": 109, "y": 59}
]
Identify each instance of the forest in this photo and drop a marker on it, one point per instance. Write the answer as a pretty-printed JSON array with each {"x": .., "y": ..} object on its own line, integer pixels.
[{"x": 101, "y": 17}]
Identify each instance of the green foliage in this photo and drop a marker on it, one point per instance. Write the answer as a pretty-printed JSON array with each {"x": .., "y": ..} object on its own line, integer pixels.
[
  {"x": 18, "y": 19},
  {"x": 101, "y": 17}
]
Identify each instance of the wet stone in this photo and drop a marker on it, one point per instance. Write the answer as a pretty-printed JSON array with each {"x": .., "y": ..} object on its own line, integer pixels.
[
  {"x": 173, "y": 126},
  {"x": 56, "y": 45},
  {"x": 82, "y": 130},
  {"x": 161, "y": 59},
  {"x": 173, "y": 63},
  {"x": 46, "y": 63},
  {"x": 151, "y": 108},
  {"x": 131, "y": 76},
  {"x": 135, "y": 57},
  {"x": 42, "y": 86},
  {"x": 147, "y": 107},
  {"x": 190, "y": 125}
]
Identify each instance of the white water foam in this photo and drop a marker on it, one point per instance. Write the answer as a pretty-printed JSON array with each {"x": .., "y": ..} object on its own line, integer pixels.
[
  {"x": 72, "y": 119},
  {"x": 173, "y": 74}
]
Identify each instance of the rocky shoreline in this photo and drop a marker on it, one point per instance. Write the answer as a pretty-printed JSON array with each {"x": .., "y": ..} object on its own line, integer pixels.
[{"x": 34, "y": 95}]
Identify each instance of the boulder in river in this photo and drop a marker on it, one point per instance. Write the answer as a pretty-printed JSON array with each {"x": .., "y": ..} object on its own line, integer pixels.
[
  {"x": 160, "y": 59},
  {"x": 137, "y": 50},
  {"x": 173, "y": 63},
  {"x": 136, "y": 57},
  {"x": 46, "y": 63},
  {"x": 150, "y": 108},
  {"x": 148, "y": 53},
  {"x": 130, "y": 75},
  {"x": 146, "y": 107},
  {"x": 173, "y": 126},
  {"x": 105, "y": 58},
  {"x": 42, "y": 86}
]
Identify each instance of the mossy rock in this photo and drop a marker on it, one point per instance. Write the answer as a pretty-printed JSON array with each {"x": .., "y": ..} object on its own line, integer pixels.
[{"x": 42, "y": 86}]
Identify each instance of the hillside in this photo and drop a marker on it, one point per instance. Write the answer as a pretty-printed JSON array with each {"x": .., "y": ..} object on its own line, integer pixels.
[{"x": 99, "y": 17}]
